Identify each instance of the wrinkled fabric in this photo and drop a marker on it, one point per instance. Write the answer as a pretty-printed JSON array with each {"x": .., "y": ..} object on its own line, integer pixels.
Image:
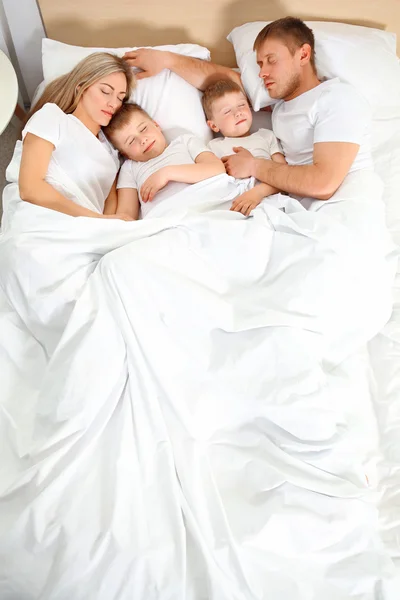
[{"x": 184, "y": 414}]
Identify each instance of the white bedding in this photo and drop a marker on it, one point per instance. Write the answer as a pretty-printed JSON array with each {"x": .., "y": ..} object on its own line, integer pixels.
[
  {"x": 185, "y": 409},
  {"x": 384, "y": 349}
]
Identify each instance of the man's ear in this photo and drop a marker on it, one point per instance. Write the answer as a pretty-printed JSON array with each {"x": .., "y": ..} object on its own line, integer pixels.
[
  {"x": 305, "y": 53},
  {"x": 156, "y": 124},
  {"x": 213, "y": 126}
]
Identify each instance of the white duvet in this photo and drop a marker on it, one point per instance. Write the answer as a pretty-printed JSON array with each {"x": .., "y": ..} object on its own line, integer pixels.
[{"x": 181, "y": 413}]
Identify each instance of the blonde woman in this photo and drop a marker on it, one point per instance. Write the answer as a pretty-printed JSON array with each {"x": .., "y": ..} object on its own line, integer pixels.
[{"x": 64, "y": 148}]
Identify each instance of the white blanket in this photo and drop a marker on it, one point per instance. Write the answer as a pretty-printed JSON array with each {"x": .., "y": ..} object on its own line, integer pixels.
[{"x": 176, "y": 420}]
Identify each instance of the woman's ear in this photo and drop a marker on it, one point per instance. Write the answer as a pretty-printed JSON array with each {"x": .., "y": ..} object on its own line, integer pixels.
[{"x": 213, "y": 126}]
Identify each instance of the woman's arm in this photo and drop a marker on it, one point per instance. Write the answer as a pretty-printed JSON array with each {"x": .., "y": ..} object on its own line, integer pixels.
[
  {"x": 111, "y": 203},
  {"x": 36, "y": 154},
  {"x": 128, "y": 203},
  {"x": 206, "y": 165}
]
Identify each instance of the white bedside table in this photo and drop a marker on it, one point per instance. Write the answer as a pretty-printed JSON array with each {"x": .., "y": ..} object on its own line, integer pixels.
[{"x": 9, "y": 91}]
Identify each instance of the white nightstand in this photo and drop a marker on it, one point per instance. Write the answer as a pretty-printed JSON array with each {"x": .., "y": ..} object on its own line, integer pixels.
[{"x": 9, "y": 91}]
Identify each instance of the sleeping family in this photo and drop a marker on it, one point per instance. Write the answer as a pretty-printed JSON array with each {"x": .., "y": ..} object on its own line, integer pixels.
[
  {"x": 184, "y": 412},
  {"x": 83, "y": 125}
]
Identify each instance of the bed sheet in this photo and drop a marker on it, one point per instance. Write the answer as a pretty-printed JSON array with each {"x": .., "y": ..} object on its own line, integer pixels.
[
  {"x": 384, "y": 349},
  {"x": 365, "y": 385}
]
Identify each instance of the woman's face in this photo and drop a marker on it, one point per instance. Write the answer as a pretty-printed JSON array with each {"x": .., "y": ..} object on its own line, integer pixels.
[{"x": 102, "y": 99}]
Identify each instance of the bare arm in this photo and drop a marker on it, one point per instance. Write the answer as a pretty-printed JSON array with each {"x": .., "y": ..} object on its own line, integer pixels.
[
  {"x": 110, "y": 205},
  {"x": 206, "y": 165},
  {"x": 197, "y": 72},
  {"x": 279, "y": 158},
  {"x": 33, "y": 188},
  {"x": 331, "y": 163},
  {"x": 128, "y": 203},
  {"x": 320, "y": 180},
  {"x": 247, "y": 201}
]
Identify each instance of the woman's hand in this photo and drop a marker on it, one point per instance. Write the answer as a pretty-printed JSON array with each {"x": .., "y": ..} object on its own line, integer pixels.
[{"x": 154, "y": 184}]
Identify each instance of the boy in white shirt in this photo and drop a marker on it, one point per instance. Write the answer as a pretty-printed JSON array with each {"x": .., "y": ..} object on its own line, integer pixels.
[
  {"x": 155, "y": 169},
  {"x": 228, "y": 112}
]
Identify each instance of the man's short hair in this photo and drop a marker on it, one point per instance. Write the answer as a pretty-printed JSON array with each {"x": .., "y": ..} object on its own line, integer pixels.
[
  {"x": 121, "y": 118},
  {"x": 292, "y": 31},
  {"x": 217, "y": 90}
]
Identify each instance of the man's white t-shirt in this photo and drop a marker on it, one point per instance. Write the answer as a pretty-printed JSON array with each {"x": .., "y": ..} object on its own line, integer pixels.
[
  {"x": 182, "y": 151},
  {"x": 331, "y": 112},
  {"x": 261, "y": 144}
]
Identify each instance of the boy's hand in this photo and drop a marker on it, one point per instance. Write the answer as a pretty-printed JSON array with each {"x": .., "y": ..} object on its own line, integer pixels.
[
  {"x": 154, "y": 184},
  {"x": 246, "y": 202}
]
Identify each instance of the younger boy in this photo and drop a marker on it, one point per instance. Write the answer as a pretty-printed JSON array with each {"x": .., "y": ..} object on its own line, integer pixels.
[
  {"x": 228, "y": 112},
  {"x": 155, "y": 168}
]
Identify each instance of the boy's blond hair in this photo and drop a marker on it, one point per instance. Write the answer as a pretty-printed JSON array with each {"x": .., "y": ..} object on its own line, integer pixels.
[
  {"x": 121, "y": 118},
  {"x": 217, "y": 90}
]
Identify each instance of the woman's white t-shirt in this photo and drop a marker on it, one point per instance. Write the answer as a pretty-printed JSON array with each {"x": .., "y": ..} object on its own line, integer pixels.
[
  {"x": 331, "y": 112},
  {"x": 80, "y": 160},
  {"x": 182, "y": 151},
  {"x": 261, "y": 144}
]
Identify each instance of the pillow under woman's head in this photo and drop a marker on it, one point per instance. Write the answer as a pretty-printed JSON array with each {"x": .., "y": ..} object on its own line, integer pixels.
[{"x": 169, "y": 99}]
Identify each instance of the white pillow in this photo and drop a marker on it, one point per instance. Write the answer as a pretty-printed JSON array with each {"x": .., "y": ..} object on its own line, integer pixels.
[
  {"x": 362, "y": 56},
  {"x": 169, "y": 99}
]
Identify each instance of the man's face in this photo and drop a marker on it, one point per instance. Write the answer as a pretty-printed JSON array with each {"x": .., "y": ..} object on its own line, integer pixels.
[{"x": 279, "y": 68}]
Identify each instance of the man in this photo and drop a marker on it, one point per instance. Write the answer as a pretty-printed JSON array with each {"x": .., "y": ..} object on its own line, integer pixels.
[{"x": 323, "y": 126}]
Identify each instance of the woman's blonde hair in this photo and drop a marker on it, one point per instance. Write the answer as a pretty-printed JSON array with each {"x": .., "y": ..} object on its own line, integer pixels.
[{"x": 67, "y": 90}]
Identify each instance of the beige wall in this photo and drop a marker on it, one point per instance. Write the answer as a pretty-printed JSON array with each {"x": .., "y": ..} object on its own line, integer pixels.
[{"x": 206, "y": 22}]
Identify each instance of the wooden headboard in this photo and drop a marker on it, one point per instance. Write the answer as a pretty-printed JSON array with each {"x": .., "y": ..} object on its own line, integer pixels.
[{"x": 118, "y": 23}]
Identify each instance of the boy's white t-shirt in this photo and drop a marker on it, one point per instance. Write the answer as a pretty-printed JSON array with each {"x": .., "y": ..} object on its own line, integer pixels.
[
  {"x": 331, "y": 112},
  {"x": 261, "y": 144},
  {"x": 181, "y": 151}
]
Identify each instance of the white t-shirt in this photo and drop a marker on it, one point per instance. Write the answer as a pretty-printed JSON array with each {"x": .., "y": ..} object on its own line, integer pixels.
[
  {"x": 331, "y": 112},
  {"x": 181, "y": 151},
  {"x": 88, "y": 163},
  {"x": 261, "y": 144}
]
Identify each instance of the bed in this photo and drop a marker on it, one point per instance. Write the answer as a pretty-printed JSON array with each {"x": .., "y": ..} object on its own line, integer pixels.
[{"x": 256, "y": 456}]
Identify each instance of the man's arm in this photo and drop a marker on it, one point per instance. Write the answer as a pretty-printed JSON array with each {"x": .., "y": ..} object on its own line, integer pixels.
[
  {"x": 197, "y": 72},
  {"x": 320, "y": 180}
]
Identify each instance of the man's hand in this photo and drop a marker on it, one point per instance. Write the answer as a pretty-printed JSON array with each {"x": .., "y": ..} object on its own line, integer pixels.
[
  {"x": 154, "y": 184},
  {"x": 246, "y": 202},
  {"x": 240, "y": 164},
  {"x": 150, "y": 61}
]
